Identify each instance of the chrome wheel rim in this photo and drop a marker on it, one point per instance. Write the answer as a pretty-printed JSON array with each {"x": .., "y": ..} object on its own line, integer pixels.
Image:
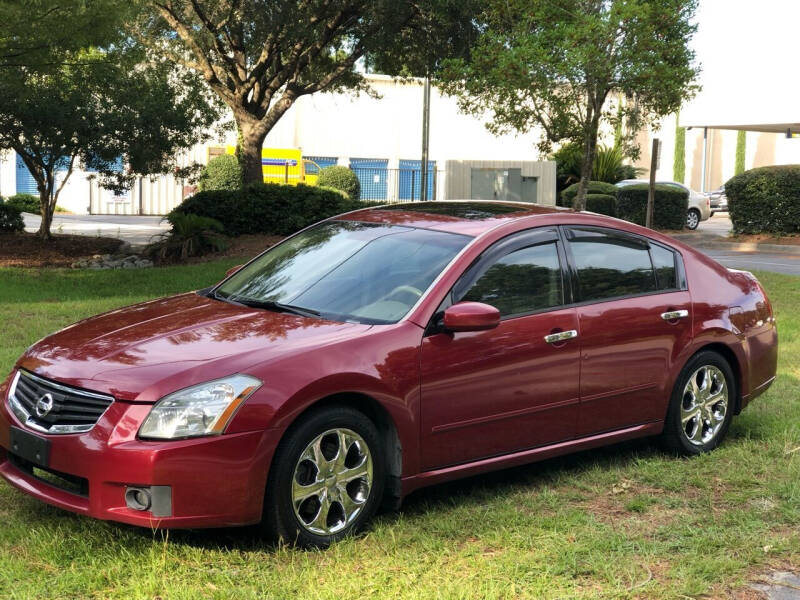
[
  {"x": 704, "y": 405},
  {"x": 692, "y": 220},
  {"x": 332, "y": 481}
]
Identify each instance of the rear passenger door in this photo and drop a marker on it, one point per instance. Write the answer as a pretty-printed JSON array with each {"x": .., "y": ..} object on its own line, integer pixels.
[{"x": 634, "y": 314}]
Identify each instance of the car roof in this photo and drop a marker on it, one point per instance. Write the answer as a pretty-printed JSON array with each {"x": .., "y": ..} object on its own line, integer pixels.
[{"x": 467, "y": 217}]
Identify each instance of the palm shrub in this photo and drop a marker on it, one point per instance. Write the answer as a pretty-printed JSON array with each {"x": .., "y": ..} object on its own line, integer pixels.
[
  {"x": 222, "y": 172},
  {"x": 191, "y": 235},
  {"x": 341, "y": 178},
  {"x": 609, "y": 165}
]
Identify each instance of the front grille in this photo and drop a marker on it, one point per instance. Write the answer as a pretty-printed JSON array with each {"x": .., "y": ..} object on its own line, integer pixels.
[{"x": 52, "y": 407}]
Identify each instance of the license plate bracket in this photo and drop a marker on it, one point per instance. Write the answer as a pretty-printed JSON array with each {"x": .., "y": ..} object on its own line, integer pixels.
[{"x": 30, "y": 447}]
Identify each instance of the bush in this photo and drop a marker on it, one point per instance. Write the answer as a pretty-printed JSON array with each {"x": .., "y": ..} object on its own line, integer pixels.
[
  {"x": 25, "y": 203},
  {"x": 223, "y": 172},
  {"x": 191, "y": 235},
  {"x": 594, "y": 187},
  {"x": 341, "y": 178},
  {"x": 765, "y": 200},
  {"x": 608, "y": 165},
  {"x": 10, "y": 219},
  {"x": 602, "y": 204},
  {"x": 670, "y": 205},
  {"x": 271, "y": 208}
]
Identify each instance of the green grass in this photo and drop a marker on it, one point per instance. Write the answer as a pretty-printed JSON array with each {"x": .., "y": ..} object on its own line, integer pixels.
[{"x": 622, "y": 522}]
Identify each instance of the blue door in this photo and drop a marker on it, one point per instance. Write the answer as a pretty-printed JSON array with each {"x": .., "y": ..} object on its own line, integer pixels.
[
  {"x": 410, "y": 175},
  {"x": 371, "y": 172}
]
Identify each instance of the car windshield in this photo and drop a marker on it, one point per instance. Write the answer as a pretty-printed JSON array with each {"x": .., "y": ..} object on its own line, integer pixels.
[{"x": 347, "y": 271}]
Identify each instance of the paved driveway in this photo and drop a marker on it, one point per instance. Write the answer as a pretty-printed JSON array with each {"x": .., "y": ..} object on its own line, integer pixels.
[
  {"x": 720, "y": 224},
  {"x": 135, "y": 230}
]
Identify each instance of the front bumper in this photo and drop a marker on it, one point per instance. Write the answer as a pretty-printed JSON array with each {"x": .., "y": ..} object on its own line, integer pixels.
[{"x": 214, "y": 481}]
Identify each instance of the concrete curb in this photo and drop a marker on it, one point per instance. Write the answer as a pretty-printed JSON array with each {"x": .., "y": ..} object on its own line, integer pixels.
[{"x": 704, "y": 242}]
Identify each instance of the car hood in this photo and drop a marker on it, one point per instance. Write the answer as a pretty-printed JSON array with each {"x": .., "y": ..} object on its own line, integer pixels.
[{"x": 138, "y": 352}]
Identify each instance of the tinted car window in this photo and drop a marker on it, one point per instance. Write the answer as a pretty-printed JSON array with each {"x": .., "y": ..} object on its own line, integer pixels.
[
  {"x": 523, "y": 281},
  {"x": 664, "y": 263},
  {"x": 347, "y": 271},
  {"x": 610, "y": 266}
]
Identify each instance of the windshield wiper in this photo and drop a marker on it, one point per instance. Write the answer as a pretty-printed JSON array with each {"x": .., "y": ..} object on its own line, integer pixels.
[{"x": 278, "y": 306}]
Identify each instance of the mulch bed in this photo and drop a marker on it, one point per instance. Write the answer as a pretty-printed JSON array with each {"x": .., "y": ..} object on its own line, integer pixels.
[
  {"x": 244, "y": 247},
  {"x": 27, "y": 250},
  {"x": 763, "y": 238}
]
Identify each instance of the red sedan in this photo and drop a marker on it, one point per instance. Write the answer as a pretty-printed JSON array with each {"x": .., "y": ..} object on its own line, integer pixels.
[{"x": 378, "y": 352}]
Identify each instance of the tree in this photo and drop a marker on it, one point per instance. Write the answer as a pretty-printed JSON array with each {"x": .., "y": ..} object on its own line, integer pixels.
[
  {"x": 566, "y": 67},
  {"x": 260, "y": 56},
  {"x": 102, "y": 108},
  {"x": 37, "y": 32}
]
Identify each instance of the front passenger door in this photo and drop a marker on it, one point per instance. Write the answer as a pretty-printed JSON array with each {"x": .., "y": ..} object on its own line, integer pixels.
[{"x": 494, "y": 392}]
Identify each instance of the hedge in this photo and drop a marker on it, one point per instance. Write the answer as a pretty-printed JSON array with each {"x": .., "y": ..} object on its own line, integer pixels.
[
  {"x": 670, "y": 205},
  {"x": 270, "y": 208},
  {"x": 25, "y": 203},
  {"x": 341, "y": 178},
  {"x": 10, "y": 219},
  {"x": 765, "y": 200},
  {"x": 602, "y": 204},
  {"x": 594, "y": 187}
]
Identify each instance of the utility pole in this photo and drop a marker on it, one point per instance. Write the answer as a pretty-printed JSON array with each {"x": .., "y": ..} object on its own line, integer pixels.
[
  {"x": 651, "y": 192},
  {"x": 426, "y": 126}
]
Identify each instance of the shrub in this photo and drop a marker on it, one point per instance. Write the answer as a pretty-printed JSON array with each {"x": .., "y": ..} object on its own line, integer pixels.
[
  {"x": 594, "y": 187},
  {"x": 223, "y": 172},
  {"x": 765, "y": 200},
  {"x": 670, "y": 205},
  {"x": 608, "y": 165},
  {"x": 10, "y": 219},
  {"x": 271, "y": 208},
  {"x": 25, "y": 203},
  {"x": 603, "y": 204},
  {"x": 191, "y": 235},
  {"x": 341, "y": 178}
]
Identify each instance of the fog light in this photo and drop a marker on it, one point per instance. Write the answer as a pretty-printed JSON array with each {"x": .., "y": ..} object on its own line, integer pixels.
[{"x": 138, "y": 498}]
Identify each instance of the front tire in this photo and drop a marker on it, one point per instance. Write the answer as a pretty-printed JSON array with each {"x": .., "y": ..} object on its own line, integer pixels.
[
  {"x": 701, "y": 406},
  {"x": 692, "y": 219},
  {"x": 327, "y": 478}
]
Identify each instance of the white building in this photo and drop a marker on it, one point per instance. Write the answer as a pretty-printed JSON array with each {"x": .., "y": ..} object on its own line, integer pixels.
[{"x": 380, "y": 138}]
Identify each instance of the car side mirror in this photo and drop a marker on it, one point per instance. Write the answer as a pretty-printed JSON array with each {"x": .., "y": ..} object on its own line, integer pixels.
[
  {"x": 470, "y": 316},
  {"x": 232, "y": 270}
]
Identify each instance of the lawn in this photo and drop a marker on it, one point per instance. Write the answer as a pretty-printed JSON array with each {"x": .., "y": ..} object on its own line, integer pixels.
[{"x": 622, "y": 522}]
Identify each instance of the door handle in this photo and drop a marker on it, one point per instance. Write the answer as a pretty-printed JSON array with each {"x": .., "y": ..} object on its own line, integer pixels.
[
  {"x": 672, "y": 315},
  {"x": 561, "y": 336}
]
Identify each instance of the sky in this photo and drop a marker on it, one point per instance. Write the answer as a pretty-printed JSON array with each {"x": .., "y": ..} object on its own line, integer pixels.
[{"x": 748, "y": 50}]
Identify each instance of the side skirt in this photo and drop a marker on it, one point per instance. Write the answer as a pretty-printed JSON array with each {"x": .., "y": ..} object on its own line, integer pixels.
[{"x": 414, "y": 482}]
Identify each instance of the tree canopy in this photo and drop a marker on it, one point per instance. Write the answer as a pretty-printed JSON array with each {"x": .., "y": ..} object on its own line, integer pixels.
[
  {"x": 566, "y": 67},
  {"x": 103, "y": 107},
  {"x": 260, "y": 56}
]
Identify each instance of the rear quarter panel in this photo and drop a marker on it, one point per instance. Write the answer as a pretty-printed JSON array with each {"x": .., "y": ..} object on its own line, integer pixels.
[{"x": 731, "y": 308}]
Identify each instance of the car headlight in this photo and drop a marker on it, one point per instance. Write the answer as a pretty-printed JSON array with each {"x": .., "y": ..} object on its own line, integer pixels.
[{"x": 203, "y": 409}]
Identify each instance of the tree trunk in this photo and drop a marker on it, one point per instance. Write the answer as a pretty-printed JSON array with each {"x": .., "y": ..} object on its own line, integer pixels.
[
  {"x": 47, "y": 214},
  {"x": 589, "y": 151},
  {"x": 251, "y": 140}
]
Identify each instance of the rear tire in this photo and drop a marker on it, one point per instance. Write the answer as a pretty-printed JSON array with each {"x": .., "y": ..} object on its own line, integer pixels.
[
  {"x": 327, "y": 478},
  {"x": 692, "y": 219},
  {"x": 701, "y": 406}
]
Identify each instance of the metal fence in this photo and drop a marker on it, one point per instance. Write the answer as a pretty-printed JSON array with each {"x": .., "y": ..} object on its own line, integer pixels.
[{"x": 398, "y": 185}]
